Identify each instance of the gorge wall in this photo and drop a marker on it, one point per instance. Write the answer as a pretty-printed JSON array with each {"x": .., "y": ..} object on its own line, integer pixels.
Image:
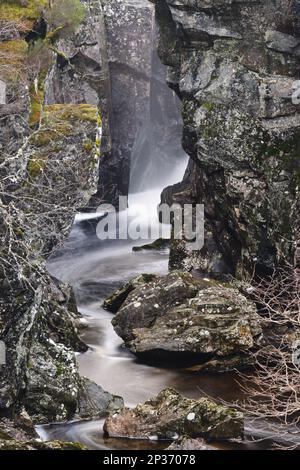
[
  {"x": 50, "y": 147},
  {"x": 234, "y": 65}
]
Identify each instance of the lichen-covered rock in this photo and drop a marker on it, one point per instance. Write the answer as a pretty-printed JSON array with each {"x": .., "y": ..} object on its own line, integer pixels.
[
  {"x": 169, "y": 415},
  {"x": 13, "y": 436},
  {"x": 49, "y": 170},
  {"x": 114, "y": 301},
  {"x": 202, "y": 320},
  {"x": 235, "y": 67}
]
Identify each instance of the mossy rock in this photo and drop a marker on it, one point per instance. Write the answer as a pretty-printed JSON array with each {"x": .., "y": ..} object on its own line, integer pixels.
[{"x": 170, "y": 415}]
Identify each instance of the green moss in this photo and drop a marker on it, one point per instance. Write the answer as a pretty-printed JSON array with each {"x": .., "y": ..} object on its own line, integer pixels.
[
  {"x": 19, "y": 232},
  {"x": 12, "y": 59},
  {"x": 36, "y": 102},
  {"x": 88, "y": 145},
  {"x": 59, "y": 369},
  {"x": 208, "y": 106},
  {"x": 35, "y": 166},
  {"x": 71, "y": 112},
  {"x": 13, "y": 11},
  {"x": 60, "y": 121}
]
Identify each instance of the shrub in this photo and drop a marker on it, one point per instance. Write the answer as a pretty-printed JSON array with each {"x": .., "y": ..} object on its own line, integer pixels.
[{"x": 64, "y": 16}]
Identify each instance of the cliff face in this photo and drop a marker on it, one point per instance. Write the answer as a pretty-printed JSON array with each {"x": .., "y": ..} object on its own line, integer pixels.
[
  {"x": 234, "y": 66},
  {"x": 49, "y": 169}
]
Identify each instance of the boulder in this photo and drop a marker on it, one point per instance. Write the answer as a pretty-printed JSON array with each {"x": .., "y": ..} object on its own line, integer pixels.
[
  {"x": 202, "y": 320},
  {"x": 118, "y": 297},
  {"x": 169, "y": 416}
]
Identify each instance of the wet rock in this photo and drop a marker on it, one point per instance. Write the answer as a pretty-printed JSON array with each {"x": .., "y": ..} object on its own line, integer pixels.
[
  {"x": 14, "y": 437},
  {"x": 159, "y": 244},
  {"x": 94, "y": 401},
  {"x": 186, "y": 443},
  {"x": 114, "y": 302},
  {"x": 169, "y": 415},
  {"x": 204, "y": 320}
]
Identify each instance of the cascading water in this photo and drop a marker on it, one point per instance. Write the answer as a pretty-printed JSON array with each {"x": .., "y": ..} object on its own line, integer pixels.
[{"x": 96, "y": 267}]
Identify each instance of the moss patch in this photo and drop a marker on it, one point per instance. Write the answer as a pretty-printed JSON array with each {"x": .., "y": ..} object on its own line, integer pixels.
[
  {"x": 13, "y": 11},
  {"x": 35, "y": 167},
  {"x": 36, "y": 101},
  {"x": 70, "y": 113},
  {"x": 58, "y": 122},
  {"x": 12, "y": 58}
]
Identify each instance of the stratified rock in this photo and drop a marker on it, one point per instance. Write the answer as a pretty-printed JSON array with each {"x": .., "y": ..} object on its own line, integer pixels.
[
  {"x": 169, "y": 415},
  {"x": 114, "y": 302},
  {"x": 186, "y": 443},
  {"x": 199, "y": 319}
]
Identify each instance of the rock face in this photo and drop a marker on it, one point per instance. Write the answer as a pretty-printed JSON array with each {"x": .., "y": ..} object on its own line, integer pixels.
[
  {"x": 111, "y": 61},
  {"x": 235, "y": 65},
  {"x": 197, "y": 319},
  {"x": 49, "y": 169},
  {"x": 13, "y": 437},
  {"x": 169, "y": 415}
]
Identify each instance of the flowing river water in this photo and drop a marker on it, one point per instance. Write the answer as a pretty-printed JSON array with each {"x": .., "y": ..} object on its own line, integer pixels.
[{"x": 95, "y": 268}]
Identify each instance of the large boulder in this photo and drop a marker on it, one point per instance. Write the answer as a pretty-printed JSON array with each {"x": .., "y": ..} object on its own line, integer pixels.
[
  {"x": 197, "y": 319},
  {"x": 169, "y": 416}
]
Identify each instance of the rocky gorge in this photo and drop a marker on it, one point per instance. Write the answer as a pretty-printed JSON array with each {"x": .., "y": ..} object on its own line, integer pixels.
[{"x": 108, "y": 98}]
